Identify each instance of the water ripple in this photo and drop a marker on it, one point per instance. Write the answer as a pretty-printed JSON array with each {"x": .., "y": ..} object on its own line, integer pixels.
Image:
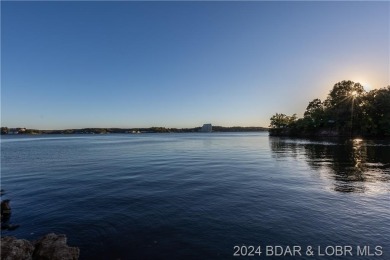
[{"x": 195, "y": 196}]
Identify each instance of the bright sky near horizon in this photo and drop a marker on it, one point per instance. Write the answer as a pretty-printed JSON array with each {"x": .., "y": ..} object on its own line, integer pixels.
[{"x": 182, "y": 64}]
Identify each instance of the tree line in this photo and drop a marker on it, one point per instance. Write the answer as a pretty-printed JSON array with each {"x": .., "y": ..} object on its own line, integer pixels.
[
  {"x": 6, "y": 130},
  {"x": 348, "y": 110}
]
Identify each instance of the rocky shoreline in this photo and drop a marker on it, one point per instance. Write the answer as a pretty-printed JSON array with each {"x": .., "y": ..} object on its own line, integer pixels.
[{"x": 49, "y": 247}]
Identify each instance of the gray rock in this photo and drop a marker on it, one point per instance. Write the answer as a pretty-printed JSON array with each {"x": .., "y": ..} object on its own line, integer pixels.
[
  {"x": 16, "y": 249},
  {"x": 54, "y": 247},
  {"x": 49, "y": 247}
]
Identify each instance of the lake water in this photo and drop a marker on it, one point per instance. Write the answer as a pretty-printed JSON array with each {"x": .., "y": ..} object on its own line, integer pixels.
[{"x": 196, "y": 196}]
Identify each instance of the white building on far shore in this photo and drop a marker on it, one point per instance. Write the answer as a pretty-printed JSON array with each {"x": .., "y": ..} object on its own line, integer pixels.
[{"x": 207, "y": 128}]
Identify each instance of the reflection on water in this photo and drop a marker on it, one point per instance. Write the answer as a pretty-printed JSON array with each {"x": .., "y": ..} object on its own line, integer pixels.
[
  {"x": 195, "y": 196},
  {"x": 355, "y": 165}
]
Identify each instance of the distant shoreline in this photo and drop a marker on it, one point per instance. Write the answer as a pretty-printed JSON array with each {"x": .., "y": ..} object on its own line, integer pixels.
[{"x": 26, "y": 131}]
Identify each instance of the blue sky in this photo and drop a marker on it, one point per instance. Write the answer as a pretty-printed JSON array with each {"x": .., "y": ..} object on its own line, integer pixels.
[{"x": 182, "y": 64}]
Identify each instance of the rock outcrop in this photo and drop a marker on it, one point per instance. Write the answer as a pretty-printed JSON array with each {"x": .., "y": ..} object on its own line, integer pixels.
[
  {"x": 6, "y": 216},
  {"x": 49, "y": 247},
  {"x": 12, "y": 248}
]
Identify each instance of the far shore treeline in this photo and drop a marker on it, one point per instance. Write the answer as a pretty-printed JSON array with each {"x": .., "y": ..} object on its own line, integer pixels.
[
  {"x": 6, "y": 130},
  {"x": 348, "y": 110}
]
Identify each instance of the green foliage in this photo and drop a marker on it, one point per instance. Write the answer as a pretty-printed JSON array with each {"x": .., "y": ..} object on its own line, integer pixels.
[
  {"x": 348, "y": 110},
  {"x": 282, "y": 121},
  {"x": 342, "y": 94},
  {"x": 344, "y": 106},
  {"x": 377, "y": 111},
  {"x": 314, "y": 114}
]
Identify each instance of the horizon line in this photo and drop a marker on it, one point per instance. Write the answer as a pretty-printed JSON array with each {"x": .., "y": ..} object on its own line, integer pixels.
[{"x": 129, "y": 127}]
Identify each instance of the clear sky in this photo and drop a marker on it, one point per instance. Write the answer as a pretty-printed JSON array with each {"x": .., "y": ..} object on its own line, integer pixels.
[{"x": 182, "y": 64}]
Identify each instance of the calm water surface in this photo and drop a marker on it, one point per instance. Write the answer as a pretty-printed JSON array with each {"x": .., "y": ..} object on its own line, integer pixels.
[{"x": 196, "y": 196}]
